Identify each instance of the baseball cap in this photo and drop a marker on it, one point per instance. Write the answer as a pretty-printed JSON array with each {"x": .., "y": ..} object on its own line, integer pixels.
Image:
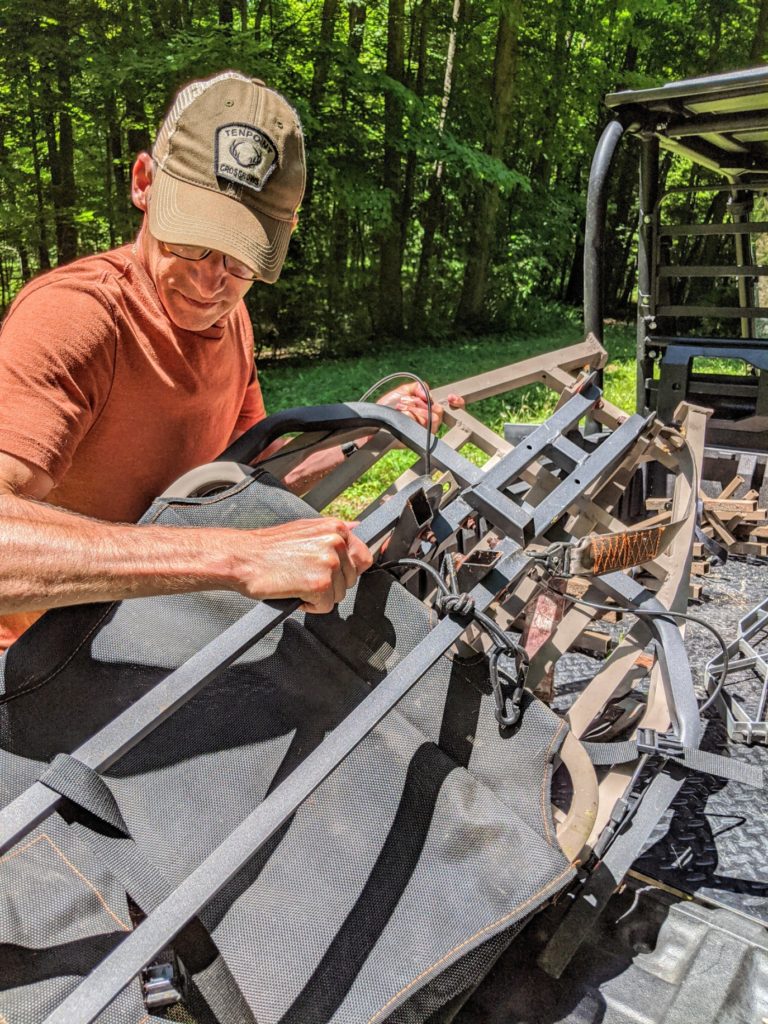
[{"x": 229, "y": 171}]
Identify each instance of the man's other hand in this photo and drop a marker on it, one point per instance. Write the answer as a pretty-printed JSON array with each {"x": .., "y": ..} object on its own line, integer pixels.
[
  {"x": 411, "y": 398},
  {"x": 314, "y": 560}
]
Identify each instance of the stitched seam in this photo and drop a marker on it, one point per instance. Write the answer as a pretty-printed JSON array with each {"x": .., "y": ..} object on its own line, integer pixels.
[
  {"x": 25, "y": 689},
  {"x": 71, "y": 866},
  {"x": 545, "y": 785},
  {"x": 467, "y": 942}
]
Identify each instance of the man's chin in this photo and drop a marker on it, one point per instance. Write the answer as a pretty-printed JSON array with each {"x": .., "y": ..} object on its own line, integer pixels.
[{"x": 190, "y": 316}]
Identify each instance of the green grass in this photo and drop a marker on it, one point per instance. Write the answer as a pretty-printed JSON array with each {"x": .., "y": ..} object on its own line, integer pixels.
[{"x": 347, "y": 379}]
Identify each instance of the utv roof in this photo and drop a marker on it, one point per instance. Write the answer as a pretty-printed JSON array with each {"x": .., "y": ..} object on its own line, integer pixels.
[{"x": 719, "y": 121}]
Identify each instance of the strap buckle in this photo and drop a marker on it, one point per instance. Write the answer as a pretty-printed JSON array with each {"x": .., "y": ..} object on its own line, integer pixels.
[
  {"x": 508, "y": 692},
  {"x": 159, "y": 984},
  {"x": 662, "y": 743}
]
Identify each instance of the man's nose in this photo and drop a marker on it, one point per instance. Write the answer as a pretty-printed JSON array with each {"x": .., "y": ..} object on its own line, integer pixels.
[{"x": 211, "y": 273}]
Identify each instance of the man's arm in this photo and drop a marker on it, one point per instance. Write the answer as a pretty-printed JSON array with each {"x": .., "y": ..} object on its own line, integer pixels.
[
  {"x": 50, "y": 557},
  {"x": 408, "y": 398}
]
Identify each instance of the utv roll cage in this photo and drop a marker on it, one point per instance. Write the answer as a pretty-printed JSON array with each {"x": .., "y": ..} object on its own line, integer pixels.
[{"x": 701, "y": 282}]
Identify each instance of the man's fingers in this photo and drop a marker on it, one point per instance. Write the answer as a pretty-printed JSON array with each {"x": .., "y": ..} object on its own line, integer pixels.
[
  {"x": 348, "y": 571},
  {"x": 359, "y": 554}
]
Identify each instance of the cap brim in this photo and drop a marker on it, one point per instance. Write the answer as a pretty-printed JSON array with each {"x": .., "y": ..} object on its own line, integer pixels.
[{"x": 187, "y": 214}]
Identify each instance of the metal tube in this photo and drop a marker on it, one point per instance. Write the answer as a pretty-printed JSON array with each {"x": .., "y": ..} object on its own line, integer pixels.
[
  {"x": 594, "y": 237},
  {"x": 646, "y": 286}
]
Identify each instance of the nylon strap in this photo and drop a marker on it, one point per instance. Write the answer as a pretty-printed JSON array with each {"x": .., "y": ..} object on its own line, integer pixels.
[
  {"x": 102, "y": 826},
  {"x": 602, "y": 754},
  {"x": 601, "y": 553}
]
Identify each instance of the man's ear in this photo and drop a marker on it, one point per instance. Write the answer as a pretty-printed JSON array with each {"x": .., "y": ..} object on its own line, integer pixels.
[{"x": 141, "y": 180}]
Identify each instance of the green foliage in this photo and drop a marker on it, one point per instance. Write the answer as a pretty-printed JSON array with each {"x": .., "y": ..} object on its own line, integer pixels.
[
  {"x": 322, "y": 381},
  {"x": 108, "y": 70}
]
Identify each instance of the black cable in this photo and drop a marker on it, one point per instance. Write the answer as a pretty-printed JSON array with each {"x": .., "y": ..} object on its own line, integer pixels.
[
  {"x": 507, "y": 691},
  {"x": 281, "y": 452},
  {"x": 410, "y": 376},
  {"x": 664, "y": 614}
]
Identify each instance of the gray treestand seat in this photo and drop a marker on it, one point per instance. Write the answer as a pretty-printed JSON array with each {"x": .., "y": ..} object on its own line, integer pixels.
[{"x": 294, "y": 819}]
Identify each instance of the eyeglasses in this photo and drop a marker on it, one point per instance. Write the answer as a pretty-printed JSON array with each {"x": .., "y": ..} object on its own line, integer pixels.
[{"x": 195, "y": 253}]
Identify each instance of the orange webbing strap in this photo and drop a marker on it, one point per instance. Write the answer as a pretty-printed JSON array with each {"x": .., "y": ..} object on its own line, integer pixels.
[
  {"x": 609, "y": 552},
  {"x": 600, "y": 553}
]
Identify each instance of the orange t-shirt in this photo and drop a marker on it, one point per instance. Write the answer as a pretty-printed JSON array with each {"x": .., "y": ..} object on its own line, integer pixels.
[{"x": 101, "y": 390}]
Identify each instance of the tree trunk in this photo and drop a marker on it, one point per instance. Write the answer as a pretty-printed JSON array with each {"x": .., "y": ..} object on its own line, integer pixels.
[
  {"x": 486, "y": 209},
  {"x": 340, "y": 232},
  {"x": 317, "y": 89},
  {"x": 258, "y": 17},
  {"x": 41, "y": 242},
  {"x": 390, "y": 308},
  {"x": 226, "y": 14},
  {"x": 117, "y": 179},
  {"x": 61, "y": 144},
  {"x": 560, "y": 59},
  {"x": 431, "y": 215},
  {"x": 357, "y": 15},
  {"x": 418, "y": 87},
  {"x": 757, "y": 52}
]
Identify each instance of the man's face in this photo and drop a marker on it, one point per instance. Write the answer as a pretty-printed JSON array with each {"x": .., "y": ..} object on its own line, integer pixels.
[{"x": 195, "y": 294}]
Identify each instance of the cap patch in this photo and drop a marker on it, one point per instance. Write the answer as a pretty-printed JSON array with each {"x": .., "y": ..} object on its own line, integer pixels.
[{"x": 244, "y": 155}]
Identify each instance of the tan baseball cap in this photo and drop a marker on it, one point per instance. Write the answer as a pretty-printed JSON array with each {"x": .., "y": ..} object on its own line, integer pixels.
[{"x": 229, "y": 171}]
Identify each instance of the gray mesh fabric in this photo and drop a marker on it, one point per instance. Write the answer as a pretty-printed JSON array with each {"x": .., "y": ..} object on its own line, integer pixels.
[{"x": 415, "y": 859}]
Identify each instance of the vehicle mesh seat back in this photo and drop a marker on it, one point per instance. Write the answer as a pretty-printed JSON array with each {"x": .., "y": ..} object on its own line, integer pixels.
[{"x": 394, "y": 886}]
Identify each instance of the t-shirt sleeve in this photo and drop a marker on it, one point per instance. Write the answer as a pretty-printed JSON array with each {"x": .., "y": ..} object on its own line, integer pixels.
[
  {"x": 57, "y": 357},
  {"x": 252, "y": 409}
]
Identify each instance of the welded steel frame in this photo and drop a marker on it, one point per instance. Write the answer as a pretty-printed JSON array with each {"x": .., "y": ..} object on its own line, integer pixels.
[
  {"x": 674, "y": 117},
  {"x": 529, "y": 522},
  {"x": 743, "y": 726}
]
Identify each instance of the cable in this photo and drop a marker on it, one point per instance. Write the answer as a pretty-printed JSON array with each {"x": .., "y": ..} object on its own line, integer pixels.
[
  {"x": 281, "y": 452},
  {"x": 641, "y": 613},
  {"x": 507, "y": 691},
  {"x": 410, "y": 376}
]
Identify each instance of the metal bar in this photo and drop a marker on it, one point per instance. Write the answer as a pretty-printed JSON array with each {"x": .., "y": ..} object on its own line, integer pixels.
[
  {"x": 117, "y": 970},
  {"x": 704, "y": 124},
  {"x": 516, "y": 375},
  {"x": 346, "y": 417},
  {"x": 647, "y": 258},
  {"x": 754, "y": 227},
  {"x": 543, "y": 437},
  {"x": 743, "y": 271},
  {"x": 594, "y": 237},
  {"x": 101, "y": 751},
  {"x": 563, "y": 496},
  {"x": 683, "y": 340},
  {"x": 729, "y": 312},
  {"x": 725, "y": 86}
]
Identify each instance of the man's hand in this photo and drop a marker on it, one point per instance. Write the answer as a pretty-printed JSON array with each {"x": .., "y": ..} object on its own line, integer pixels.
[
  {"x": 315, "y": 560},
  {"x": 411, "y": 398}
]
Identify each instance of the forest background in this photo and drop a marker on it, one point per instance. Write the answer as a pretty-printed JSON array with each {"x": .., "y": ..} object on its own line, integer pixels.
[{"x": 449, "y": 143}]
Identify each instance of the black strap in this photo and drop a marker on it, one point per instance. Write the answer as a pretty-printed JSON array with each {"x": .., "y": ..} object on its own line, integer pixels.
[
  {"x": 214, "y": 994},
  {"x": 689, "y": 757},
  {"x": 591, "y": 899},
  {"x": 717, "y": 552}
]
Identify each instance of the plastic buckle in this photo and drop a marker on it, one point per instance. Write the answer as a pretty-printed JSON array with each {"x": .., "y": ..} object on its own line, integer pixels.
[
  {"x": 158, "y": 982},
  {"x": 508, "y": 694},
  {"x": 665, "y": 744}
]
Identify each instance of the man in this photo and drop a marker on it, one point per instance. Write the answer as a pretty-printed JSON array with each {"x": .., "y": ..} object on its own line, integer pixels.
[{"x": 121, "y": 371}]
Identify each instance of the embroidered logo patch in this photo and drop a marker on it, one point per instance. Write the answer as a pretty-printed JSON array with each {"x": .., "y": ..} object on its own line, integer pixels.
[{"x": 244, "y": 155}]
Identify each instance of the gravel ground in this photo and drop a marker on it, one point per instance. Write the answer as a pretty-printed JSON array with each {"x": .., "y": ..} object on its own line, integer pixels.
[{"x": 716, "y": 849}]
